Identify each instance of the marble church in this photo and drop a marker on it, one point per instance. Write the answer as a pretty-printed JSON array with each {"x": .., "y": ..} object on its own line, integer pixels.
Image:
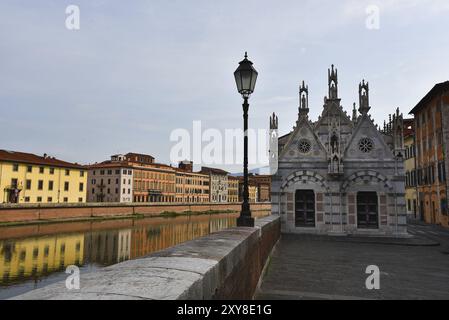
[{"x": 341, "y": 174}]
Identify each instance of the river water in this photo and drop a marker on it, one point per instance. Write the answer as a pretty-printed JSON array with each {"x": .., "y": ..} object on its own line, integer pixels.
[{"x": 34, "y": 256}]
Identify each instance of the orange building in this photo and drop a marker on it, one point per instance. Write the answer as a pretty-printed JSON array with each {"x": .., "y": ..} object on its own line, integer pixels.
[
  {"x": 153, "y": 182},
  {"x": 191, "y": 187},
  {"x": 432, "y": 151}
]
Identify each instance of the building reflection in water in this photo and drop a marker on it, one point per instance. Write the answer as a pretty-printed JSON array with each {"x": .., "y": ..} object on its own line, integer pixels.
[
  {"x": 35, "y": 257},
  {"x": 32, "y": 257}
]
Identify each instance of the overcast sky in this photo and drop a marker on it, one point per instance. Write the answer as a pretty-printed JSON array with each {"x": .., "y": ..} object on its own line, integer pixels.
[{"x": 136, "y": 70}]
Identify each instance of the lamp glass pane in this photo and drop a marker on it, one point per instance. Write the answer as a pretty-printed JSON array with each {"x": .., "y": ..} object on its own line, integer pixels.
[
  {"x": 253, "y": 81},
  {"x": 238, "y": 81},
  {"x": 246, "y": 80}
]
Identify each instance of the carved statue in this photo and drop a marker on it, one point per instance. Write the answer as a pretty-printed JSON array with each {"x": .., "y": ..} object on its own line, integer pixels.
[
  {"x": 334, "y": 144},
  {"x": 333, "y": 91},
  {"x": 303, "y": 101}
]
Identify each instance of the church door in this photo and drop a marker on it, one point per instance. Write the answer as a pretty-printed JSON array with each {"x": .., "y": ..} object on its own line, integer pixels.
[
  {"x": 305, "y": 208},
  {"x": 367, "y": 210}
]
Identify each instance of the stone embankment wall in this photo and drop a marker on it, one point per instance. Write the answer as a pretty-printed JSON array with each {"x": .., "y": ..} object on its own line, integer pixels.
[
  {"x": 224, "y": 265},
  {"x": 48, "y": 212}
]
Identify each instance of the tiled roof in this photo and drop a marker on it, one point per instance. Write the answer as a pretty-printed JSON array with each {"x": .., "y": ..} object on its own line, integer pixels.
[
  {"x": 436, "y": 90},
  {"x": 109, "y": 164},
  {"x": 29, "y": 158},
  {"x": 207, "y": 170},
  {"x": 129, "y": 164}
]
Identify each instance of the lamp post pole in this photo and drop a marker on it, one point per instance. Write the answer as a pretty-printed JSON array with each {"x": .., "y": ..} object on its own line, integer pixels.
[
  {"x": 245, "y": 78},
  {"x": 245, "y": 219}
]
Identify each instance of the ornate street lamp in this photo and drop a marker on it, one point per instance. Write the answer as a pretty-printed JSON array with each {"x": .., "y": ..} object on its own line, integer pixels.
[{"x": 245, "y": 78}]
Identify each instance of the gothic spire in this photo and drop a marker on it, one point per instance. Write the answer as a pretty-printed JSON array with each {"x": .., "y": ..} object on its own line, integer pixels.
[
  {"x": 364, "y": 98},
  {"x": 303, "y": 101},
  {"x": 273, "y": 122},
  {"x": 354, "y": 114},
  {"x": 333, "y": 82}
]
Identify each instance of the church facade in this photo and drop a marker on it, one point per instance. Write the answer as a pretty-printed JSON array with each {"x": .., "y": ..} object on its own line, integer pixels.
[{"x": 340, "y": 174}]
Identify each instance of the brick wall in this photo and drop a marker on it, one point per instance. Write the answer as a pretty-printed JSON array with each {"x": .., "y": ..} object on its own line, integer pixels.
[{"x": 32, "y": 213}]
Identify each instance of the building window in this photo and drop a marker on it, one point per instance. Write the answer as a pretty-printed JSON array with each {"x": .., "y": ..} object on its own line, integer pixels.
[
  {"x": 50, "y": 185},
  {"x": 15, "y": 167},
  {"x": 109, "y": 172},
  {"x": 93, "y": 190},
  {"x": 67, "y": 172},
  {"x": 80, "y": 199},
  {"x": 117, "y": 171},
  {"x": 29, "y": 169},
  {"x": 81, "y": 189},
  {"x": 101, "y": 172},
  {"x": 40, "y": 185},
  {"x": 52, "y": 170},
  {"x": 66, "y": 186},
  {"x": 39, "y": 199},
  {"x": 41, "y": 169},
  {"x": 27, "y": 199},
  {"x": 49, "y": 199},
  {"x": 66, "y": 199},
  {"x": 81, "y": 173},
  {"x": 28, "y": 184}
]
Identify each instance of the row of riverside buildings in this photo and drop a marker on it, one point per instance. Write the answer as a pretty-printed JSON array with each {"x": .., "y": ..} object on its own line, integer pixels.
[{"x": 130, "y": 178}]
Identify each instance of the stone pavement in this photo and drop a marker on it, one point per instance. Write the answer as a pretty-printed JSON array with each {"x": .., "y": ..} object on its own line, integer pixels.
[{"x": 313, "y": 267}]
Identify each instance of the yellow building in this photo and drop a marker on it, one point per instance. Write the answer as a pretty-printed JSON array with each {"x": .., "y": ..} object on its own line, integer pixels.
[
  {"x": 31, "y": 258},
  {"x": 28, "y": 178},
  {"x": 253, "y": 191},
  {"x": 410, "y": 169}
]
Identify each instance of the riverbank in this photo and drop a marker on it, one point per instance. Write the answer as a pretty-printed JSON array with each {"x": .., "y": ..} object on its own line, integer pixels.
[{"x": 14, "y": 215}]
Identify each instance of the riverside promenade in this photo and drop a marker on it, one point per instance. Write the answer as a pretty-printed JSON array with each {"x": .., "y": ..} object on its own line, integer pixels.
[{"x": 333, "y": 268}]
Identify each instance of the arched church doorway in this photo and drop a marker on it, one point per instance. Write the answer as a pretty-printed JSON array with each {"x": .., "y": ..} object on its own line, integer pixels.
[
  {"x": 367, "y": 210},
  {"x": 305, "y": 208}
]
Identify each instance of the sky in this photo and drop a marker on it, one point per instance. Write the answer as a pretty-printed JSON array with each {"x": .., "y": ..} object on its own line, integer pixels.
[{"x": 137, "y": 70}]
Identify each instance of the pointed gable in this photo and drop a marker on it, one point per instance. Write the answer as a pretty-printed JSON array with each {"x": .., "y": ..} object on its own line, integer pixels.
[
  {"x": 303, "y": 144},
  {"x": 367, "y": 142}
]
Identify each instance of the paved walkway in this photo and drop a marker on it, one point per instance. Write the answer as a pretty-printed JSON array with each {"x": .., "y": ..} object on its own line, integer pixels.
[{"x": 312, "y": 267}]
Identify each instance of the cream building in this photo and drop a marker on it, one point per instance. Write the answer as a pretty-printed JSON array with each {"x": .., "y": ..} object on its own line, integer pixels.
[
  {"x": 218, "y": 180},
  {"x": 110, "y": 181}
]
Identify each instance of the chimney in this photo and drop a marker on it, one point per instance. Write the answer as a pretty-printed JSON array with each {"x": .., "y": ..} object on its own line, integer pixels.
[{"x": 186, "y": 165}]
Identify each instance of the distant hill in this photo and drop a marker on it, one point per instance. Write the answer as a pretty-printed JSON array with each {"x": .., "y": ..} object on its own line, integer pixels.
[{"x": 261, "y": 171}]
